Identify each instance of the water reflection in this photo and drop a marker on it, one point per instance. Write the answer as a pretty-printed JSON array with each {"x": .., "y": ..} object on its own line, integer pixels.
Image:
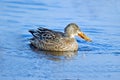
[
  {"x": 55, "y": 55},
  {"x": 99, "y": 60}
]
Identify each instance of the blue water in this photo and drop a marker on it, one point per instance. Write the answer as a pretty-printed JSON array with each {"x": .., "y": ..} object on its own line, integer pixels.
[{"x": 97, "y": 60}]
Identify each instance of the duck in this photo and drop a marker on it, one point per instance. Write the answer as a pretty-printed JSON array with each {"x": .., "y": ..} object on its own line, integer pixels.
[{"x": 50, "y": 40}]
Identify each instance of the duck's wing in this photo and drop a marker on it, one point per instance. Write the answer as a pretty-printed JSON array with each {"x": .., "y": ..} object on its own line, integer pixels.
[{"x": 46, "y": 34}]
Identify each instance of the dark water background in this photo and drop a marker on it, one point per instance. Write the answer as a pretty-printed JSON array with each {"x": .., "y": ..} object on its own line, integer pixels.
[{"x": 99, "y": 60}]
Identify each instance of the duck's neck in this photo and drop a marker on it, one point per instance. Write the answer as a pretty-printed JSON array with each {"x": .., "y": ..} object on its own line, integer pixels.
[{"x": 69, "y": 35}]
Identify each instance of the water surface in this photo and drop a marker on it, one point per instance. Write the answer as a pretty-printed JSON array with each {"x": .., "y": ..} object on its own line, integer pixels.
[{"x": 98, "y": 60}]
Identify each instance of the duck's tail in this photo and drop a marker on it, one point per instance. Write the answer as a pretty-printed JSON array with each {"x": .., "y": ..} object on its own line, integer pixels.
[{"x": 32, "y": 31}]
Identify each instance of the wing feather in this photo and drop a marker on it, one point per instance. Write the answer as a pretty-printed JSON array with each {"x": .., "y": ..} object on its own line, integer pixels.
[{"x": 46, "y": 34}]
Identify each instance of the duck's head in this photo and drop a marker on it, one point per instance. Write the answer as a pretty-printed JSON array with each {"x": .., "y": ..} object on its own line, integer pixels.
[{"x": 73, "y": 30}]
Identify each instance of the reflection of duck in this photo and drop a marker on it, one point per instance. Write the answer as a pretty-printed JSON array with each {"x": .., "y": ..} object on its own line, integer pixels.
[
  {"x": 55, "y": 55},
  {"x": 45, "y": 39},
  {"x": 67, "y": 54}
]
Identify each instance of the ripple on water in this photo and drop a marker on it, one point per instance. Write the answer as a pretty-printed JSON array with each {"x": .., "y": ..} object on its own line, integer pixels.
[{"x": 97, "y": 60}]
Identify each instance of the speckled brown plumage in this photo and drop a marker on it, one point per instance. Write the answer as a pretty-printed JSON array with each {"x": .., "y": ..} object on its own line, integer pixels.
[{"x": 45, "y": 39}]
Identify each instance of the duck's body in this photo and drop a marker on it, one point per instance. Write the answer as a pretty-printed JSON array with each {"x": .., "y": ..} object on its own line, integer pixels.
[{"x": 45, "y": 39}]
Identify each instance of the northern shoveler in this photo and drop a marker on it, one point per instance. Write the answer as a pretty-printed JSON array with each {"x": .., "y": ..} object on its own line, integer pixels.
[{"x": 46, "y": 39}]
